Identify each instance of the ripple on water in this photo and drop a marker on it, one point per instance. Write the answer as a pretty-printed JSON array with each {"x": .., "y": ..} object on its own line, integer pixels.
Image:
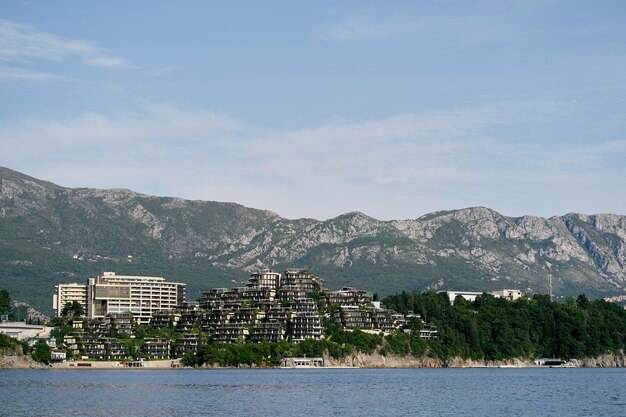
[{"x": 340, "y": 392}]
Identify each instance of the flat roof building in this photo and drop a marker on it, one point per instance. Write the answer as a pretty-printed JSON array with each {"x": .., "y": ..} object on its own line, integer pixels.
[
  {"x": 109, "y": 293},
  {"x": 468, "y": 295},
  {"x": 510, "y": 295},
  {"x": 68, "y": 293},
  {"x": 264, "y": 279},
  {"x": 20, "y": 330}
]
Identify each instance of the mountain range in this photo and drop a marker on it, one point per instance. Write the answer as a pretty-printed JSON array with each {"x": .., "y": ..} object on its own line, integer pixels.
[{"x": 51, "y": 234}]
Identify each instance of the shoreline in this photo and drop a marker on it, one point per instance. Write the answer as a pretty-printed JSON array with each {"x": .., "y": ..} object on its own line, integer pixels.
[
  {"x": 165, "y": 364},
  {"x": 355, "y": 361},
  {"x": 605, "y": 361},
  {"x": 105, "y": 367}
]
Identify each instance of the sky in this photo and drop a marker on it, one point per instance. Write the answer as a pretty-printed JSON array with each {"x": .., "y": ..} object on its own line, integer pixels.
[{"x": 314, "y": 109}]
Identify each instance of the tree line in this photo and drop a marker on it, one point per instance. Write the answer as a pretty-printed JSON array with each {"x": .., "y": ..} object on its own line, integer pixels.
[
  {"x": 495, "y": 328},
  {"x": 487, "y": 328}
]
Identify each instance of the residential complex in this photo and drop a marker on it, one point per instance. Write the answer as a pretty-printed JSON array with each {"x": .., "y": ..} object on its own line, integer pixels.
[
  {"x": 272, "y": 307},
  {"x": 288, "y": 306}
]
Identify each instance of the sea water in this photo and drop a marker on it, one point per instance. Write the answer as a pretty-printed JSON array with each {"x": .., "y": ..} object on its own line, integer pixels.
[{"x": 315, "y": 392}]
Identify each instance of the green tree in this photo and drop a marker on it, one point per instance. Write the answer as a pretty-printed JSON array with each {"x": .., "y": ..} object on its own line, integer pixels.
[
  {"x": 42, "y": 352},
  {"x": 414, "y": 324},
  {"x": 5, "y": 302},
  {"x": 25, "y": 347},
  {"x": 189, "y": 358},
  {"x": 73, "y": 309},
  {"x": 7, "y": 341}
]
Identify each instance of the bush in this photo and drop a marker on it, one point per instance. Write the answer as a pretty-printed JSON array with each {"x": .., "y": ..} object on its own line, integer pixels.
[
  {"x": 7, "y": 341},
  {"x": 42, "y": 352}
]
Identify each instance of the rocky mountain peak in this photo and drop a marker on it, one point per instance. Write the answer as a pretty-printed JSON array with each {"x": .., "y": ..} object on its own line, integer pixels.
[{"x": 50, "y": 232}]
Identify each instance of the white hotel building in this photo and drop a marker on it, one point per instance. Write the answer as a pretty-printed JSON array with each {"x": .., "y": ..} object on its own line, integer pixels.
[
  {"x": 67, "y": 293},
  {"x": 111, "y": 293}
]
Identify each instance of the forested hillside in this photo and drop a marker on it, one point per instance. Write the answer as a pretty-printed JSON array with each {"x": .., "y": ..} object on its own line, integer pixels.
[{"x": 494, "y": 328}]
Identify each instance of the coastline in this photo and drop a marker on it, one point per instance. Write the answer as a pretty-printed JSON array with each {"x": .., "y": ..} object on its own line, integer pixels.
[
  {"x": 354, "y": 361},
  {"x": 122, "y": 365},
  {"x": 20, "y": 361},
  {"x": 375, "y": 360}
]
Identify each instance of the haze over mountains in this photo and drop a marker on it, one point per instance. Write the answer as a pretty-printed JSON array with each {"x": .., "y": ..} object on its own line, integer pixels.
[{"x": 51, "y": 234}]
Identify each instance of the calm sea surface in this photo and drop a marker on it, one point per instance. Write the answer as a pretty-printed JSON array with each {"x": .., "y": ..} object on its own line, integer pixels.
[{"x": 329, "y": 392}]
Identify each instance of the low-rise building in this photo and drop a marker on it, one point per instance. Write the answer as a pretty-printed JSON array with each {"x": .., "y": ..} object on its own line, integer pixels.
[
  {"x": 188, "y": 341},
  {"x": 72, "y": 344},
  {"x": 115, "y": 349},
  {"x": 216, "y": 318},
  {"x": 306, "y": 325},
  {"x": 188, "y": 320},
  {"x": 93, "y": 347},
  {"x": 264, "y": 279},
  {"x": 157, "y": 348},
  {"x": 165, "y": 320},
  {"x": 510, "y": 295},
  {"x": 299, "y": 278},
  {"x": 267, "y": 332},
  {"x": 348, "y": 296},
  {"x": 386, "y": 320},
  {"x": 371, "y": 316},
  {"x": 247, "y": 316},
  {"x": 289, "y": 294},
  {"x": 230, "y": 333},
  {"x": 124, "y": 323},
  {"x": 302, "y": 362},
  {"x": 259, "y": 294},
  {"x": 353, "y": 317},
  {"x": 20, "y": 330},
  {"x": 428, "y": 334},
  {"x": 279, "y": 314},
  {"x": 99, "y": 327}
]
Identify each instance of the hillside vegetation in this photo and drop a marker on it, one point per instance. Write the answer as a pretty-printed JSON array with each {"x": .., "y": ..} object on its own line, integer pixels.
[
  {"x": 494, "y": 329},
  {"x": 51, "y": 234}
]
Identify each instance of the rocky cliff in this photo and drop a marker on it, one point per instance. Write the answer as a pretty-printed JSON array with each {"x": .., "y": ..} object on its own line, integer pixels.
[
  {"x": 376, "y": 360},
  {"x": 15, "y": 359},
  {"x": 51, "y": 234},
  {"x": 610, "y": 360}
]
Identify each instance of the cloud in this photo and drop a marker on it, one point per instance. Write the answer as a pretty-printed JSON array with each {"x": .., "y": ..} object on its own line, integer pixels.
[
  {"x": 158, "y": 126},
  {"x": 162, "y": 71},
  {"x": 20, "y": 43},
  {"x": 395, "y": 167},
  {"x": 21, "y": 74},
  {"x": 366, "y": 28},
  {"x": 107, "y": 62}
]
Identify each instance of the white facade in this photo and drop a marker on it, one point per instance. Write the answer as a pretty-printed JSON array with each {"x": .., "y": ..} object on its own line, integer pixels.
[
  {"x": 67, "y": 293},
  {"x": 468, "y": 295},
  {"x": 110, "y": 293},
  {"x": 265, "y": 279},
  {"x": 20, "y": 330},
  {"x": 508, "y": 294},
  {"x": 471, "y": 295},
  {"x": 57, "y": 355}
]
